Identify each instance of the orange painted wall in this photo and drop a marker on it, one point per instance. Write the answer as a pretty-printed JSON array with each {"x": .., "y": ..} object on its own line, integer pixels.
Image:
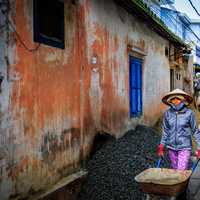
[{"x": 45, "y": 104}]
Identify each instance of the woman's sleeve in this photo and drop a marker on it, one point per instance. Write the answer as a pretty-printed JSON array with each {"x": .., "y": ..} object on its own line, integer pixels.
[
  {"x": 165, "y": 129},
  {"x": 196, "y": 131}
]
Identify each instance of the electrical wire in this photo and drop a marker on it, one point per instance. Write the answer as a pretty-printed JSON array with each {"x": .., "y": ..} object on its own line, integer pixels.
[
  {"x": 21, "y": 41},
  {"x": 194, "y": 7},
  {"x": 18, "y": 35}
]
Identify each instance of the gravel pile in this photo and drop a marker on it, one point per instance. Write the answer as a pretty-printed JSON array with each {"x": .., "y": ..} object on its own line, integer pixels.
[{"x": 112, "y": 169}]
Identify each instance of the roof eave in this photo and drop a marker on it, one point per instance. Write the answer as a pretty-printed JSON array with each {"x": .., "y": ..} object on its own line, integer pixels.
[{"x": 141, "y": 10}]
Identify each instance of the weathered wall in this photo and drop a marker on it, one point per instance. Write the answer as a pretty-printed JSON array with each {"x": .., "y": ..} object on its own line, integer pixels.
[
  {"x": 188, "y": 75},
  {"x": 40, "y": 103},
  {"x": 53, "y": 101},
  {"x": 6, "y": 144},
  {"x": 111, "y": 30}
]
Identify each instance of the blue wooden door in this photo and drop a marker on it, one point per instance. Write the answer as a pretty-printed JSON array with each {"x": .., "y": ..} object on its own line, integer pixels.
[{"x": 135, "y": 87}]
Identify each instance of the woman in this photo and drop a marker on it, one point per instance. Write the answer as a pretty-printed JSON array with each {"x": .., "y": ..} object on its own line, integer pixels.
[{"x": 178, "y": 126}]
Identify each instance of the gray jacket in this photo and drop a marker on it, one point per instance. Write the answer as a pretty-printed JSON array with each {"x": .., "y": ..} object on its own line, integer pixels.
[{"x": 178, "y": 128}]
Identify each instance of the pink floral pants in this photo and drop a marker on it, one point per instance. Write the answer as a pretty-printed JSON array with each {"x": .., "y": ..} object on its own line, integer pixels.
[{"x": 179, "y": 159}]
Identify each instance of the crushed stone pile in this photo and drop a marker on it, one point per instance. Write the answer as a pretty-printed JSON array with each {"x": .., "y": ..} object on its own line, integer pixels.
[{"x": 112, "y": 169}]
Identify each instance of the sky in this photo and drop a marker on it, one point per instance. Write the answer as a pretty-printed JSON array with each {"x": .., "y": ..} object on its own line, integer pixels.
[{"x": 185, "y": 7}]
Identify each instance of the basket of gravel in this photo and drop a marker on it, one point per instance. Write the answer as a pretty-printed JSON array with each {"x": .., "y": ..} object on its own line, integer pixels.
[{"x": 163, "y": 181}]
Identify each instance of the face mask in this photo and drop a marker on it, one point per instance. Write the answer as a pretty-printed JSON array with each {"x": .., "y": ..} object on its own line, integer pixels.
[{"x": 178, "y": 107}]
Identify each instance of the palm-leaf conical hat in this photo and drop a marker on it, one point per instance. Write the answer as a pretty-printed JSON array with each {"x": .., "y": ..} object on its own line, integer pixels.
[{"x": 177, "y": 93}]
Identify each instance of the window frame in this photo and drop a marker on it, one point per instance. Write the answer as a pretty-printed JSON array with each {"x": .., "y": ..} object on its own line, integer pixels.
[
  {"x": 139, "y": 90},
  {"x": 172, "y": 79},
  {"x": 44, "y": 39}
]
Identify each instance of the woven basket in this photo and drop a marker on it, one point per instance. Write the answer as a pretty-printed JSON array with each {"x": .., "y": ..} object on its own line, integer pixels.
[
  {"x": 166, "y": 190},
  {"x": 173, "y": 187}
]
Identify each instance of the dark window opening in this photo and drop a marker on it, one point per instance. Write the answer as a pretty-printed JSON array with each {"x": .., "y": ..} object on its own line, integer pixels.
[
  {"x": 166, "y": 51},
  {"x": 176, "y": 54},
  {"x": 171, "y": 79},
  {"x": 49, "y": 22},
  {"x": 177, "y": 76}
]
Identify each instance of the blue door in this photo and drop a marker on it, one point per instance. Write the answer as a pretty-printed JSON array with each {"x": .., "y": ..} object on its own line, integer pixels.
[{"x": 135, "y": 86}]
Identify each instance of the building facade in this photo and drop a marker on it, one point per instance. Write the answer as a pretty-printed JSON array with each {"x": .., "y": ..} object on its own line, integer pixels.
[
  {"x": 180, "y": 24},
  {"x": 187, "y": 29}
]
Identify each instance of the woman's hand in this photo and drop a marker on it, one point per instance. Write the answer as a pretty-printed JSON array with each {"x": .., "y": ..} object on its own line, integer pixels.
[
  {"x": 198, "y": 153},
  {"x": 160, "y": 150}
]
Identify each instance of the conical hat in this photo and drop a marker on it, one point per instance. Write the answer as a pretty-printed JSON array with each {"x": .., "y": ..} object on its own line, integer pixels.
[{"x": 177, "y": 92}]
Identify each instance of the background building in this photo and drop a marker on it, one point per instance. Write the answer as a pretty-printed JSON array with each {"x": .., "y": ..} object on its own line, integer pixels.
[{"x": 186, "y": 28}]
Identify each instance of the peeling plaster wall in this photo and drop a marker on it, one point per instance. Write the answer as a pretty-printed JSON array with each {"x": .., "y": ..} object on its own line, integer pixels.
[
  {"x": 41, "y": 133},
  {"x": 53, "y": 101},
  {"x": 7, "y": 146},
  {"x": 111, "y": 30}
]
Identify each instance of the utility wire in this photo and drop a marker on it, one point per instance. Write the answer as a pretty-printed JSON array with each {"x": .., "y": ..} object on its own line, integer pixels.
[
  {"x": 194, "y": 7},
  {"x": 18, "y": 35},
  {"x": 21, "y": 41}
]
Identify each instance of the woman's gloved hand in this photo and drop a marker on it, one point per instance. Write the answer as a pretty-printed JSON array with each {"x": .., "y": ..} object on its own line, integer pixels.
[
  {"x": 160, "y": 150},
  {"x": 198, "y": 153}
]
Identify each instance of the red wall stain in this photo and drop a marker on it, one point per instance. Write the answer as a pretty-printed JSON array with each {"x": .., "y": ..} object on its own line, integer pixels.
[
  {"x": 20, "y": 168},
  {"x": 47, "y": 89},
  {"x": 105, "y": 47}
]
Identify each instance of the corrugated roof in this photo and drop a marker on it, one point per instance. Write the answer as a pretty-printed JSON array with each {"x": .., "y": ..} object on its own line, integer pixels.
[{"x": 143, "y": 12}]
